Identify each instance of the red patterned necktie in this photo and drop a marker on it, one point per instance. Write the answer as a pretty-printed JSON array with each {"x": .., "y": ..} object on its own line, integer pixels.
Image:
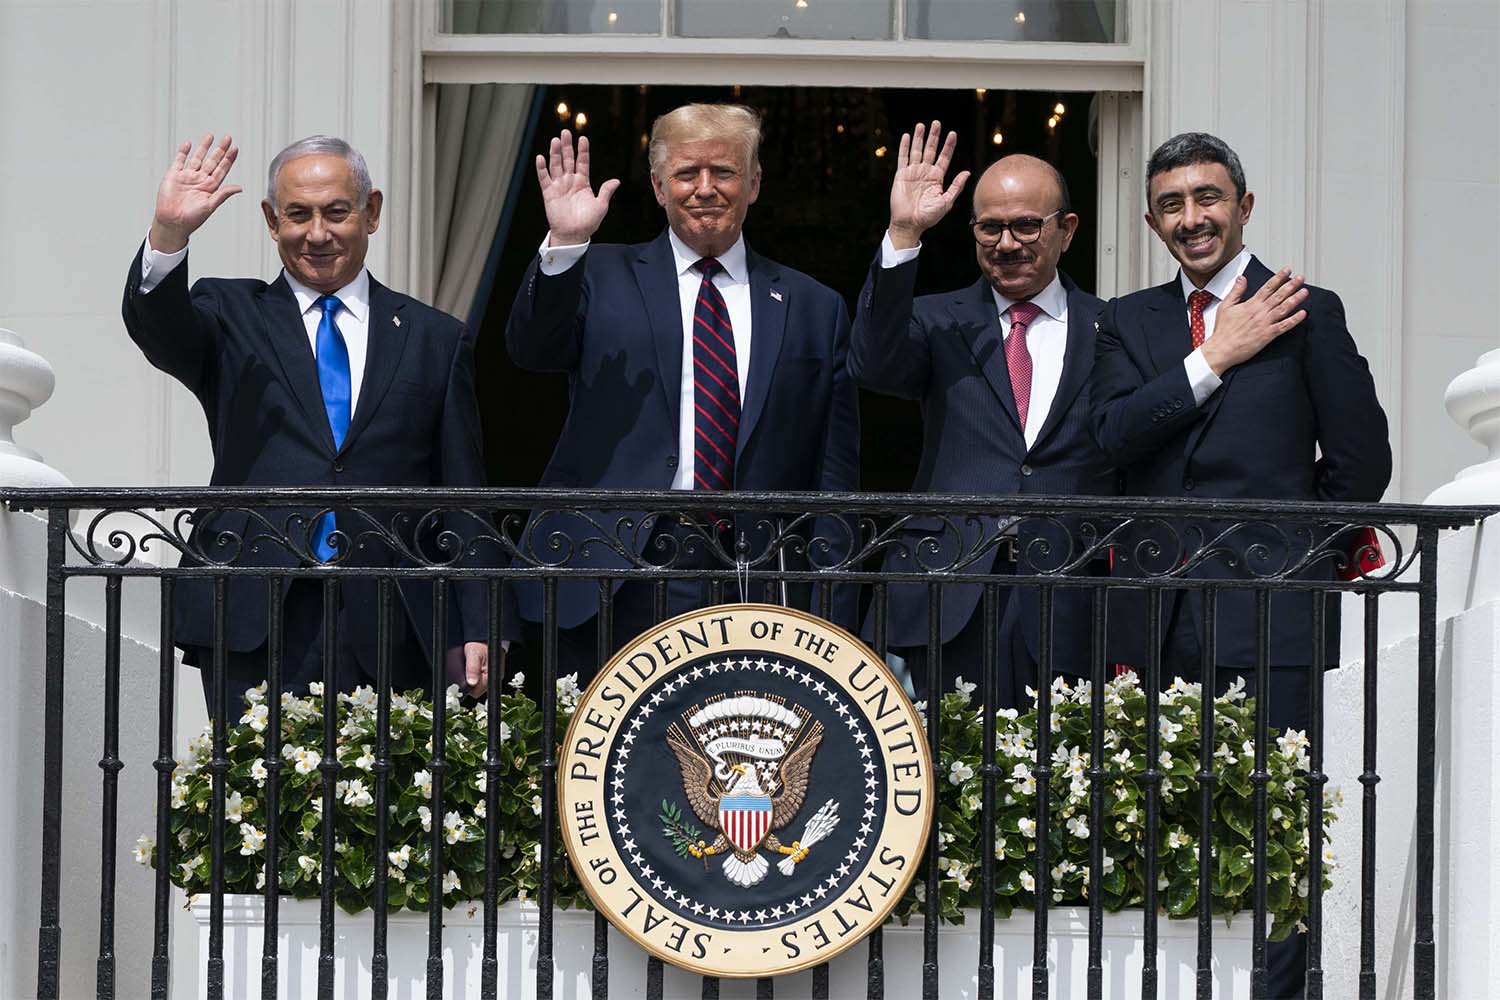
[
  {"x": 1018, "y": 358},
  {"x": 716, "y": 386},
  {"x": 1197, "y": 302}
]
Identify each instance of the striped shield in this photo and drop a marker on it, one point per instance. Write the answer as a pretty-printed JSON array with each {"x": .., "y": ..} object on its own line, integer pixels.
[{"x": 745, "y": 819}]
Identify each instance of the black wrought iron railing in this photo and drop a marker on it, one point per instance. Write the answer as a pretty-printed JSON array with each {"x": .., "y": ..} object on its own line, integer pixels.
[{"x": 748, "y": 546}]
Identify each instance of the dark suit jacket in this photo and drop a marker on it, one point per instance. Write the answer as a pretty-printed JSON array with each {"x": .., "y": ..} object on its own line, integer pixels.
[
  {"x": 947, "y": 352},
  {"x": 613, "y": 323},
  {"x": 1256, "y": 437},
  {"x": 240, "y": 346}
]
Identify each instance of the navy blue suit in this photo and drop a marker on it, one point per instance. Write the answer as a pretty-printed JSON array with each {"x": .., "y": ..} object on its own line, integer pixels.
[
  {"x": 240, "y": 346},
  {"x": 612, "y": 322},
  {"x": 1256, "y": 437},
  {"x": 947, "y": 352}
]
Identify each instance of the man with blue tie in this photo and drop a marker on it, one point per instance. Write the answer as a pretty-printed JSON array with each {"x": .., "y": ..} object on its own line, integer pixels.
[
  {"x": 1001, "y": 370},
  {"x": 693, "y": 363},
  {"x": 322, "y": 377}
]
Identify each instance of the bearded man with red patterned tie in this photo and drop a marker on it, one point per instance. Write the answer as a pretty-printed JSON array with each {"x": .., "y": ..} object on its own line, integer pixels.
[
  {"x": 1230, "y": 382},
  {"x": 1001, "y": 370},
  {"x": 693, "y": 363}
]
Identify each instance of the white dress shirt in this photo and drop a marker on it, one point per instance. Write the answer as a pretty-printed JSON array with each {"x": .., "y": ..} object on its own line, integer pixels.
[
  {"x": 732, "y": 281},
  {"x": 1200, "y": 376},
  {"x": 353, "y": 320},
  {"x": 1046, "y": 337}
]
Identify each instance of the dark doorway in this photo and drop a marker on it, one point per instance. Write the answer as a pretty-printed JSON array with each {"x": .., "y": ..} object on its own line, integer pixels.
[{"x": 827, "y": 163}]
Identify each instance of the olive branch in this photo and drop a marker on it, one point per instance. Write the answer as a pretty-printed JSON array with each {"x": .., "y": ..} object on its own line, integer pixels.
[{"x": 681, "y": 833}]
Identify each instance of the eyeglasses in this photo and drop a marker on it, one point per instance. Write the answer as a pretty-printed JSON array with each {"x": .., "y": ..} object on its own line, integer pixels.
[{"x": 1028, "y": 230}]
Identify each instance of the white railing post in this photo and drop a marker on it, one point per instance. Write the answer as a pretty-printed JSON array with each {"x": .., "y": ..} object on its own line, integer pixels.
[
  {"x": 26, "y": 382},
  {"x": 1473, "y": 401}
]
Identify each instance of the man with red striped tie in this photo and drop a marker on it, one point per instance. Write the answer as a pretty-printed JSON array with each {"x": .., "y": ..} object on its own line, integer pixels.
[{"x": 693, "y": 363}]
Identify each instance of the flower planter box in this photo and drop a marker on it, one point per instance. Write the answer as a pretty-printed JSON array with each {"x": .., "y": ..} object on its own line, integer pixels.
[{"x": 573, "y": 945}]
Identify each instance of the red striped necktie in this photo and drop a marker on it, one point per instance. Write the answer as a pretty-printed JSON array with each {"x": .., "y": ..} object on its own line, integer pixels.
[{"x": 716, "y": 386}]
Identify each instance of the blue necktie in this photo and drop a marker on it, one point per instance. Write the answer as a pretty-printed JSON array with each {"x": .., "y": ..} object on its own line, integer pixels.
[{"x": 333, "y": 377}]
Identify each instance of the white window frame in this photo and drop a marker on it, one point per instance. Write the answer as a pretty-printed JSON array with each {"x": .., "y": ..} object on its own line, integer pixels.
[{"x": 428, "y": 57}]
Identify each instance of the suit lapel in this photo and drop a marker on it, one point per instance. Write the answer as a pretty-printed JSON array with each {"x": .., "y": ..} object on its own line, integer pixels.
[
  {"x": 979, "y": 326},
  {"x": 288, "y": 336},
  {"x": 1078, "y": 358},
  {"x": 386, "y": 341},
  {"x": 1168, "y": 339},
  {"x": 656, "y": 274},
  {"x": 1255, "y": 276},
  {"x": 767, "y": 331}
]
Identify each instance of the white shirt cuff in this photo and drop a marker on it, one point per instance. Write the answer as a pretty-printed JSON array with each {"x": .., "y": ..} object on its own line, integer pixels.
[
  {"x": 556, "y": 260},
  {"x": 155, "y": 266},
  {"x": 1200, "y": 376},
  {"x": 891, "y": 257}
]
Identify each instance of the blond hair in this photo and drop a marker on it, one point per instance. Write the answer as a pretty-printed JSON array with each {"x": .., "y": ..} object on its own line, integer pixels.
[{"x": 697, "y": 122}]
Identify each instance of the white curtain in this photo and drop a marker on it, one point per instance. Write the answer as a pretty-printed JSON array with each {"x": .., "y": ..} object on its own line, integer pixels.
[{"x": 480, "y": 131}]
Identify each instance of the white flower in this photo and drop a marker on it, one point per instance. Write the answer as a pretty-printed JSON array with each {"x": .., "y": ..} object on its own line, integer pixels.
[
  {"x": 423, "y": 780},
  {"x": 1027, "y": 826},
  {"x": 480, "y": 809},
  {"x": 481, "y": 781},
  {"x": 960, "y": 772},
  {"x": 1028, "y": 882},
  {"x": 964, "y": 688},
  {"x": 1177, "y": 839},
  {"x": 401, "y": 858},
  {"x": 188, "y": 866},
  {"x": 258, "y": 771},
  {"x": 255, "y": 716},
  {"x": 1109, "y": 863},
  {"x": 452, "y": 698},
  {"x": 179, "y": 794},
  {"x": 143, "y": 848},
  {"x": 425, "y": 815},
  {"x": 366, "y": 760},
  {"x": 256, "y": 694},
  {"x": 1170, "y": 729},
  {"x": 518, "y": 680},
  {"x": 568, "y": 692},
  {"x": 234, "y": 807},
  {"x": 536, "y": 854},
  {"x": 357, "y": 795},
  {"x": 1164, "y": 759},
  {"x": 307, "y": 864},
  {"x": 395, "y": 873},
  {"x": 450, "y": 881},
  {"x": 1123, "y": 759},
  {"x": 260, "y": 879},
  {"x": 1226, "y": 754},
  {"x": 315, "y": 688},
  {"x": 1078, "y": 826},
  {"x": 504, "y": 732},
  {"x": 252, "y": 840},
  {"x": 536, "y": 804},
  {"x": 453, "y": 828},
  {"x": 307, "y": 759}
]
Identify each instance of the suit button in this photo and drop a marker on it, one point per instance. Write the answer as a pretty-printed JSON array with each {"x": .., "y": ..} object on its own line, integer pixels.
[
  {"x": 671, "y": 461},
  {"x": 338, "y": 466},
  {"x": 1025, "y": 470},
  {"x": 1188, "y": 483},
  {"x": 1176, "y": 404}
]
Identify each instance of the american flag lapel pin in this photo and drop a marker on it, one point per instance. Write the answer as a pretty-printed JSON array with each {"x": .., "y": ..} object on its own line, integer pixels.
[
  {"x": 775, "y": 295},
  {"x": 396, "y": 320}
]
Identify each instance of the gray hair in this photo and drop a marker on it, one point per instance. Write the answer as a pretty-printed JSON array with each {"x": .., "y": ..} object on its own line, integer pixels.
[
  {"x": 322, "y": 145},
  {"x": 1190, "y": 148}
]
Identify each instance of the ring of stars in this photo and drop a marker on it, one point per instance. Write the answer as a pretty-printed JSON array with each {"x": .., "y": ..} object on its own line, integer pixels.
[{"x": 794, "y": 905}]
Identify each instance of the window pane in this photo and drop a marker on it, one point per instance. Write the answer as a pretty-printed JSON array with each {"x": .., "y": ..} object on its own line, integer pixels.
[
  {"x": 552, "y": 17},
  {"x": 783, "y": 18},
  {"x": 1017, "y": 20}
]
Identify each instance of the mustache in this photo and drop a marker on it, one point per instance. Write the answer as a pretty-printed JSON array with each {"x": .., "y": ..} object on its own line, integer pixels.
[
  {"x": 1012, "y": 257},
  {"x": 1204, "y": 230}
]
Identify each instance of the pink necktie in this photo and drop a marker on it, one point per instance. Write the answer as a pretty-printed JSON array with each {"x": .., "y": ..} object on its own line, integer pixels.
[
  {"x": 1018, "y": 358},
  {"x": 1197, "y": 302}
]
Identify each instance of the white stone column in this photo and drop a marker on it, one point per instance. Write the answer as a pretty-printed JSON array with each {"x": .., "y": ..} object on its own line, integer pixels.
[
  {"x": 26, "y": 382},
  {"x": 1473, "y": 401}
]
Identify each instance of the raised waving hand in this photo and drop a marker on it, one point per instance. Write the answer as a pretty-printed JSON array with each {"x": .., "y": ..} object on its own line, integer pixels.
[
  {"x": 192, "y": 190},
  {"x": 918, "y": 198},
  {"x": 574, "y": 211}
]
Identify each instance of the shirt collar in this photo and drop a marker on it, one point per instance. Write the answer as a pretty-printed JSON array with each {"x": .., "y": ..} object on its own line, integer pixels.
[
  {"x": 1052, "y": 300},
  {"x": 731, "y": 260},
  {"x": 1218, "y": 286},
  {"x": 355, "y": 296}
]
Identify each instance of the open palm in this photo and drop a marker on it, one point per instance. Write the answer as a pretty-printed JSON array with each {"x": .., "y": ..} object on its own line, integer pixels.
[
  {"x": 193, "y": 187},
  {"x": 919, "y": 199},
  {"x": 574, "y": 211}
]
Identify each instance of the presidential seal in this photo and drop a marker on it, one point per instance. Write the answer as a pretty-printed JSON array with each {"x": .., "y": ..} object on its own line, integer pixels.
[{"x": 745, "y": 790}]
